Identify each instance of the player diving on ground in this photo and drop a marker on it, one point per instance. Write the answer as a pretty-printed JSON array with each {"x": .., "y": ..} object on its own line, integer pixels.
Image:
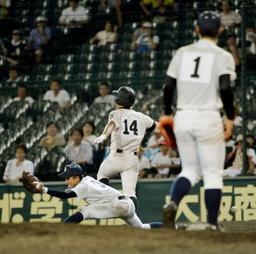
[{"x": 103, "y": 202}]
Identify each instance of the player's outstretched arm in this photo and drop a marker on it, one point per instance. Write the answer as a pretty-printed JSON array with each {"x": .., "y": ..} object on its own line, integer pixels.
[
  {"x": 32, "y": 184},
  {"x": 107, "y": 131},
  {"x": 60, "y": 194}
]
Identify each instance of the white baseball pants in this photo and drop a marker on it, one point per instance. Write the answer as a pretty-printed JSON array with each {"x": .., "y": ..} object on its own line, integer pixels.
[
  {"x": 125, "y": 163},
  {"x": 123, "y": 208},
  {"x": 201, "y": 146}
]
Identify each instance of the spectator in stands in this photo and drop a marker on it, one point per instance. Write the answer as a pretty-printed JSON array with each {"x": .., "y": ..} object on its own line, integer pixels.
[
  {"x": 235, "y": 159},
  {"x": 233, "y": 49},
  {"x": 53, "y": 137},
  {"x": 88, "y": 136},
  {"x": 152, "y": 147},
  {"x": 251, "y": 37},
  {"x": 58, "y": 95},
  {"x": 106, "y": 36},
  {"x": 104, "y": 97},
  {"x": 79, "y": 151},
  {"x": 229, "y": 18},
  {"x": 252, "y": 157},
  {"x": 74, "y": 18},
  {"x": 162, "y": 161},
  {"x": 14, "y": 77},
  {"x": 150, "y": 5},
  {"x": 251, "y": 162},
  {"x": 15, "y": 167},
  {"x": 143, "y": 39},
  {"x": 22, "y": 95},
  {"x": 251, "y": 55},
  {"x": 17, "y": 48},
  {"x": 251, "y": 141},
  {"x": 144, "y": 164},
  {"x": 4, "y": 57},
  {"x": 155, "y": 139},
  {"x": 39, "y": 40}
]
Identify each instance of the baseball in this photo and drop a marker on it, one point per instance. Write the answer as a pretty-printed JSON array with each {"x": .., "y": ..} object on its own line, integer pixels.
[{"x": 233, "y": 209}]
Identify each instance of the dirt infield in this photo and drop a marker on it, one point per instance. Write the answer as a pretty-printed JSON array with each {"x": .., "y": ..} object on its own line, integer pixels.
[{"x": 43, "y": 238}]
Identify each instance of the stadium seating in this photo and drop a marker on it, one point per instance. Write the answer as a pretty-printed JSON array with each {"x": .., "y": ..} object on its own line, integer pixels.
[{"x": 81, "y": 69}]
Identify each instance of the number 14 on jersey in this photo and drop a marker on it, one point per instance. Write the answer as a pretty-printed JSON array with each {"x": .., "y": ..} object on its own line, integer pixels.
[{"x": 130, "y": 128}]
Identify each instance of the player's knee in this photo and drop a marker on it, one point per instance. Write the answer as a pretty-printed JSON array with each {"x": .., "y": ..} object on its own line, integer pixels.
[
  {"x": 193, "y": 177},
  {"x": 84, "y": 212},
  {"x": 75, "y": 218},
  {"x": 213, "y": 180}
]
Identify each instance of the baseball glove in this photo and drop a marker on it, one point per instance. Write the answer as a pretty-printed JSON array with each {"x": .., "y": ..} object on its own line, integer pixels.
[
  {"x": 166, "y": 129},
  {"x": 31, "y": 183}
]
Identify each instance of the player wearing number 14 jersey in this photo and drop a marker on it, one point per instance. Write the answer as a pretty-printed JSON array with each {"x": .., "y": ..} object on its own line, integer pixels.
[{"x": 127, "y": 128}]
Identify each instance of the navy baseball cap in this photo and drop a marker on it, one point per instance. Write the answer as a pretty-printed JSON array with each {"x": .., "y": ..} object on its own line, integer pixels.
[
  {"x": 72, "y": 169},
  {"x": 208, "y": 21}
]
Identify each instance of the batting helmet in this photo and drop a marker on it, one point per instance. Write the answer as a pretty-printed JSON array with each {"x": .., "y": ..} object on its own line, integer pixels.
[
  {"x": 208, "y": 21},
  {"x": 72, "y": 169},
  {"x": 125, "y": 96}
]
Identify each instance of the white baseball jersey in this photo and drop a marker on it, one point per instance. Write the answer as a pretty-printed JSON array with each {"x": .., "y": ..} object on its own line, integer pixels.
[
  {"x": 93, "y": 191},
  {"x": 103, "y": 203},
  {"x": 198, "y": 126},
  {"x": 130, "y": 128},
  {"x": 61, "y": 98},
  {"x": 197, "y": 68}
]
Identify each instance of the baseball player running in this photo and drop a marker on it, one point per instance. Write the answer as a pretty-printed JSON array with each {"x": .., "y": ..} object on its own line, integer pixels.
[
  {"x": 127, "y": 128},
  {"x": 103, "y": 202},
  {"x": 202, "y": 73}
]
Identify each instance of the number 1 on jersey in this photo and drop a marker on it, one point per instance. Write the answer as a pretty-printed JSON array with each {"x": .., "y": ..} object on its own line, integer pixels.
[
  {"x": 133, "y": 127},
  {"x": 195, "y": 74}
]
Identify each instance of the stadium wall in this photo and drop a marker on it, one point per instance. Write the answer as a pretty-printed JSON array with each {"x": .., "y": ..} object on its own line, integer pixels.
[{"x": 238, "y": 203}]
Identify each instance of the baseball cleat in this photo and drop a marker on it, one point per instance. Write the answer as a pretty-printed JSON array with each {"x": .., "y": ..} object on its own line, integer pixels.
[
  {"x": 181, "y": 227},
  {"x": 204, "y": 226},
  {"x": 169, "y": 214}
]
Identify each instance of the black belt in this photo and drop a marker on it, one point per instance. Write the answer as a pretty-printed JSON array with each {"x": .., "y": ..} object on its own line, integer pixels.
[
  {"x": 120, "y": 151},
  {"x": 121, "y": 197}
]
